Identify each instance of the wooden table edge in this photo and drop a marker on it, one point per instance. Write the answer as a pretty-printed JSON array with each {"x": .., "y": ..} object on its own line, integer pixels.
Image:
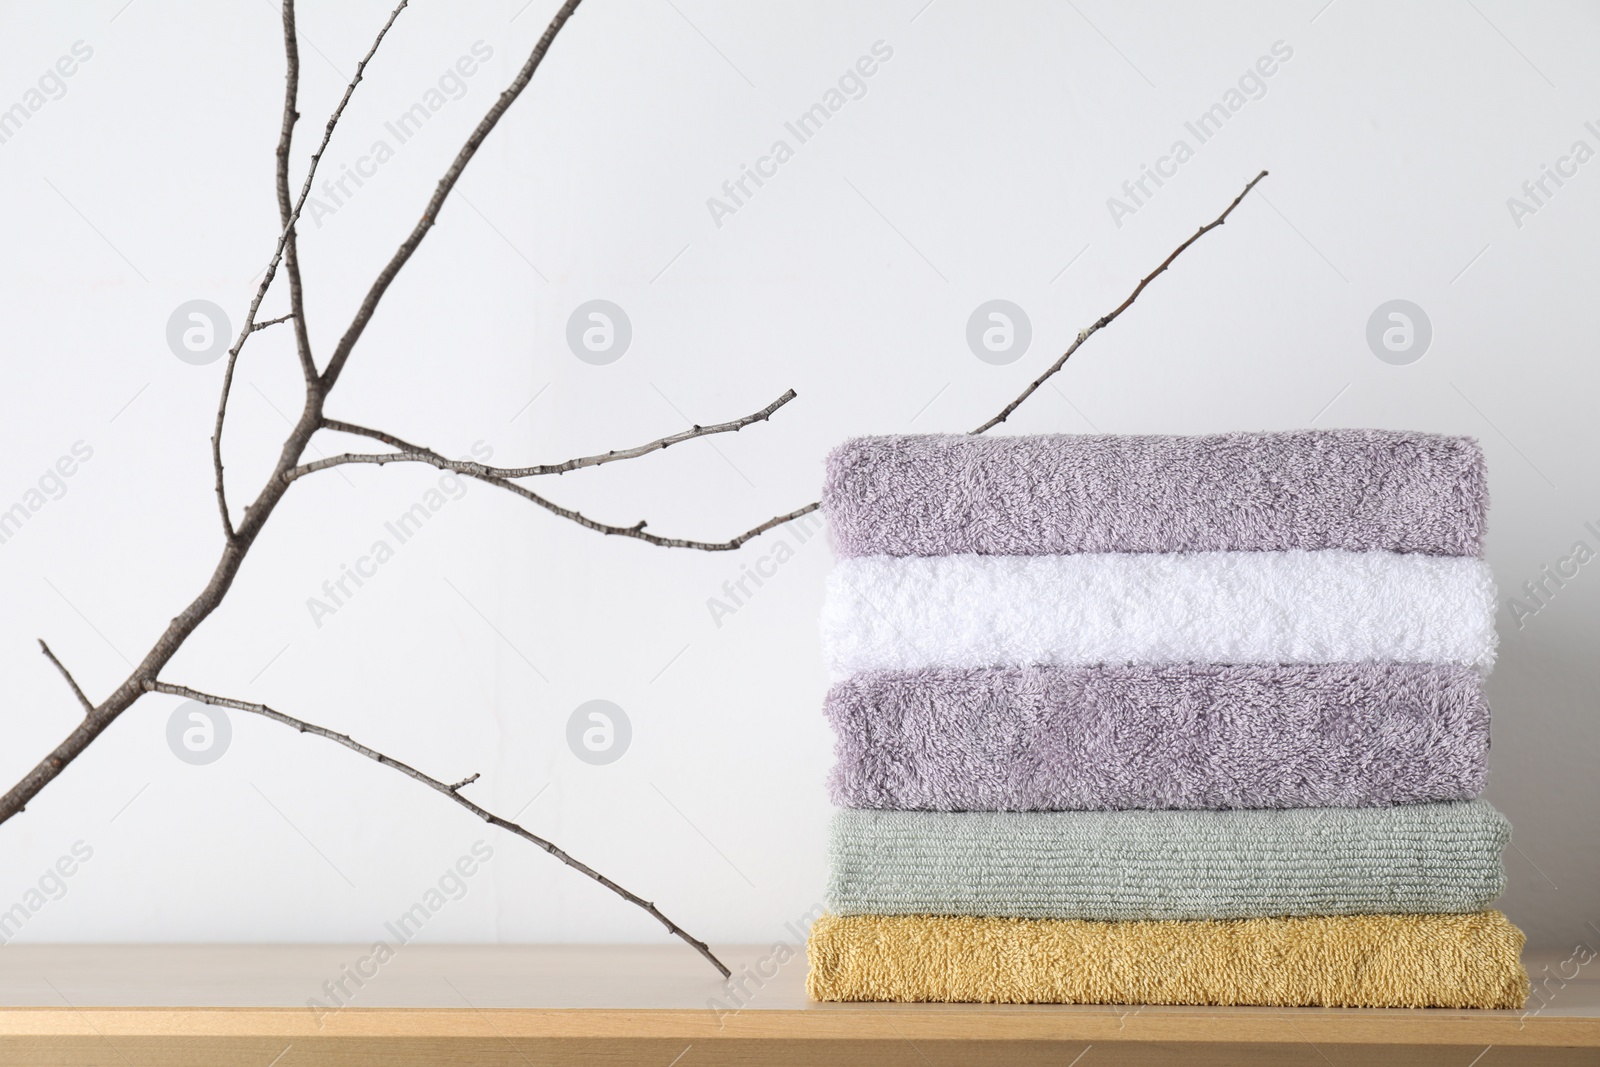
[{"x": 856, "y": 1022}]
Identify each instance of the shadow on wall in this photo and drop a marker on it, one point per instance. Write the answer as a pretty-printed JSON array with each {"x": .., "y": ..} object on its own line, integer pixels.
[{"x": 1544, "y": 768}]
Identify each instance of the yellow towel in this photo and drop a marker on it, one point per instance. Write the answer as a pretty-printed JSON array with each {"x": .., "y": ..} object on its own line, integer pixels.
[{"x": 1373, "y": 961}]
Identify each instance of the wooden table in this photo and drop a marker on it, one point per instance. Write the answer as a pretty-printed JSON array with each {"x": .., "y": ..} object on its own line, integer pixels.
[{"x": 520, "y": 1006}]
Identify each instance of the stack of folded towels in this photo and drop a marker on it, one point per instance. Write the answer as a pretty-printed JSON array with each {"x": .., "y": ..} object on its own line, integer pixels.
[{"x": 1163, "y": 720}]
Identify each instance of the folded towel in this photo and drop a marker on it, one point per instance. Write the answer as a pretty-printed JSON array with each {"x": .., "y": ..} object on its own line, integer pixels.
[
  {"x": 887, "y": 613},
  {"x": 1180, "y": 736},
  {"x": 1411, "y": 859},
  {"x": 1361, "y": 490},
  {"x": 1367, "y": 961}
]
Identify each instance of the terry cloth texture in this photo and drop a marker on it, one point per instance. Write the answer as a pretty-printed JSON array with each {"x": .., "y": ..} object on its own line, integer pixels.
[
  {"x": 905, "y": 613},
  {"x": 1180, "y": 736},
  {"x": 1112, "y": 865},
  {"x": 1361, "y": 490},
  {"x": 1367, "y": 961}
]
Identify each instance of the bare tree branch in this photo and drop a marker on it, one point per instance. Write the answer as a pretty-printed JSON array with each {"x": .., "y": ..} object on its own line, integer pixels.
[
  {"x": 1107, "y": 319},
  {"x": 377, "y": 435},
  {"x": 290, "y": 215},
  {"x": 409, "y": 453},
  {"x": 569, "y": 465},
  {"x": 286, "y": 215},
  {"x": 88, "y": 705},
  {"x": 497, "y": 476},
  {"x": 500, "y": 476},
  {"x": 468, "y": 780},
  {"x": 450, "y": 791},
  {"x": 490, "y": 475},
  {"x": 238, "y": 540},
  {"x": 271, "y": 322},
  {"x": 430, "y": 214},
  {"x": 1005, "y": 413},
  {"x": 291, "y": 92},
  {"x": 287, "y": 250}
]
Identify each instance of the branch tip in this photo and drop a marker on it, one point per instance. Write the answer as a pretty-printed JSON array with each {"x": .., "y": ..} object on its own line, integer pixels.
[
  {"x": 1107, "y": 319},
  {"x": 72, "y": 683},
  {"x": 450, "y": 791}
]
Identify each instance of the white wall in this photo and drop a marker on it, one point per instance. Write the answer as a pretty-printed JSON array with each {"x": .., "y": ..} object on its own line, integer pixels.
[{"x": 977, "y": 166}]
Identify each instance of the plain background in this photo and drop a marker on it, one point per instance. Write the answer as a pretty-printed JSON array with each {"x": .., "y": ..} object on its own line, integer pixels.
[{"x": 977, "y": 166}]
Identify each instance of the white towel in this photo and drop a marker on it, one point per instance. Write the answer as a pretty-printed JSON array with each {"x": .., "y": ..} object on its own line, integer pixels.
[{"x": 1331, "y": 606}]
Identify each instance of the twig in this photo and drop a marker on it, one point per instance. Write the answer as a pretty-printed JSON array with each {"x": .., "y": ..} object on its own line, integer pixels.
[
  {"x": 271, "y": 322},
  {"x": 500, "y": 476},
  {"x": 1005, "y": 413},
  {"x": 1107, "y": 319},
  {"x": 491, "y": 475},
  {"x": 287, "y": 244},
  {"x": 88, "y": 705},
  {"x": 468, "y": 780},
  {"x": 449, "y": 791},
  {"x": 290, "y": 217},
  {"x": 572, "y": 464},
  {"x": 390, "y": 439},
  {"x": 430, "y": 213},
  {"x": 291, "y": 80},
  {"x": 286, "y": 215}
]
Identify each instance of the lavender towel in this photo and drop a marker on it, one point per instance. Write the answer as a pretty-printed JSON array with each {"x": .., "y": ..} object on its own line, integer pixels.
[
  {"x": 1361, "y": 490},
  {"x": 1177, "y": 736}
]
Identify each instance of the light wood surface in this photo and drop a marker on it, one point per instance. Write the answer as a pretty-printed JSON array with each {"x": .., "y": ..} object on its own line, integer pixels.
[{"x": 491, "y": 1004}]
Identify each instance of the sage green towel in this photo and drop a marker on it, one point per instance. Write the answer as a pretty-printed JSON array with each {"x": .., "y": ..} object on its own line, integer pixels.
[{"x": 1111, "y": 865}]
